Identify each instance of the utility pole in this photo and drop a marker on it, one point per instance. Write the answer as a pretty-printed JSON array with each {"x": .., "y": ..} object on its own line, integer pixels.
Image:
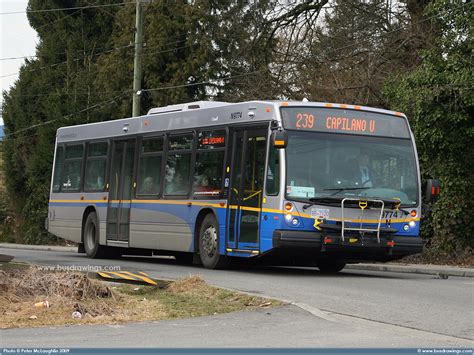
[{"x": 137, "y": 63}]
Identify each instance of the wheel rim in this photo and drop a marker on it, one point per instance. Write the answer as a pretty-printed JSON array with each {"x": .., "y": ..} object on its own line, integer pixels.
[
  {"x": 91, "y": 236},
  {"x": 209, "y": 241}
]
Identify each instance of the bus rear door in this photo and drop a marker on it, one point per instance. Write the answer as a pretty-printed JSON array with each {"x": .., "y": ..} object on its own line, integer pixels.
[
  {"x": 120, "y": 191},
  {"x": 246, "y": 189}
]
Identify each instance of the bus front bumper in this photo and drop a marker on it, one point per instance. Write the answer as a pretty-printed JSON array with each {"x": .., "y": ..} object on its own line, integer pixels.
[{"x": 355, "y": 248}]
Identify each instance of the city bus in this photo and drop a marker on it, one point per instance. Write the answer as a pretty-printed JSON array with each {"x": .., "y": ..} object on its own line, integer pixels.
[{"x": 287, "y": 183}]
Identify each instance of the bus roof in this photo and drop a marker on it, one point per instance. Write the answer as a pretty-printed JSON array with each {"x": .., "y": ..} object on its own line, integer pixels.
[{"x": 192, "y": 115}]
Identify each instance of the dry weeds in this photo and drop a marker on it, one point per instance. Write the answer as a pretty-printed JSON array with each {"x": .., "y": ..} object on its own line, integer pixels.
[{"x": 99, "y": 302}]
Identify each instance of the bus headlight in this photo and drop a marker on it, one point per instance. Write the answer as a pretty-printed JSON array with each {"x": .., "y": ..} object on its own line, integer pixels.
[
  {"x": 406, "y": 227},
  {"x": 412, "y": 224},
  {"x": 295, "y": 221}
]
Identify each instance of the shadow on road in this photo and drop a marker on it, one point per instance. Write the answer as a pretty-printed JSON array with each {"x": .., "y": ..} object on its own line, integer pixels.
[{"x": 269, "y": 270}]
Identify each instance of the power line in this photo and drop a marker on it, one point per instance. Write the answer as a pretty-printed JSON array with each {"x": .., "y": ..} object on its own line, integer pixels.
[
  {"x": 100, "y": 104},
  {"x": 66, "y": 8},
  {"x": 15, "y": 58},
  {"x": 105, "y": 52}
]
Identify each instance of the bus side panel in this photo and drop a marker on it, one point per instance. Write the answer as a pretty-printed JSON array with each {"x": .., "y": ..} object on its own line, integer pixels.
[
  {"x": 67, "y": 210},
  {"x": 65, "y": 216},
  {"x": 167, "y": 225},
  {"x": 162, "y": 225}
]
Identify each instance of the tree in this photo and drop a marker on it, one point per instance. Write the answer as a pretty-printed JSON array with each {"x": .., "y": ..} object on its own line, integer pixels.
[
  {"x": 438, "y": 97},
  {"x": 53, "y": 90}
]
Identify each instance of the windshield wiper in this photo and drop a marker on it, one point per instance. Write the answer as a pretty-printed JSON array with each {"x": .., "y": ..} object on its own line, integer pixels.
[
  {"x": 340, "y": 189},
  {"x": 316, "y": 200}
]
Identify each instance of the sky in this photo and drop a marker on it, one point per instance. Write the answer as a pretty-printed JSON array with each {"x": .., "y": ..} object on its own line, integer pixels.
[{"x": 17, "y": 39}]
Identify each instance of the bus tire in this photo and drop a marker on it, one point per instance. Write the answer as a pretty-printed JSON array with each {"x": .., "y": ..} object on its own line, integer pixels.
[
  {"x": 330, "y": 266},
  {"x": 209, "y": 244},
  {"x": 91, "y": 237}
]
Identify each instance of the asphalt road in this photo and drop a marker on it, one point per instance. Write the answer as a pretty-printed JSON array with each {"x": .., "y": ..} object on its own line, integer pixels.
[{"x": 415, "y": 306}]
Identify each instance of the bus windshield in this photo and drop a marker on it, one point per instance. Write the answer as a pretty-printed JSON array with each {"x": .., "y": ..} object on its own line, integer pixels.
[{"x": 340, "y": 165}]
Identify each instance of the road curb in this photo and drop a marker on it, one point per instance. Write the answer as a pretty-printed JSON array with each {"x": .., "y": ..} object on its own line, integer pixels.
[
  {"x": 37, "y": 247},
  {"x": 437, "y": 270}
]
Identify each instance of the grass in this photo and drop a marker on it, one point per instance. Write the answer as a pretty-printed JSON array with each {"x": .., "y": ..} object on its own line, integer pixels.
[{"x": 98, "y": 302}]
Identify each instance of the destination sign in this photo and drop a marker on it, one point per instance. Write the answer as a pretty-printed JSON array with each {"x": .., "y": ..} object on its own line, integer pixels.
[
  {"x": 344, "y": 121},
  {"x": 211, "y": 139}
]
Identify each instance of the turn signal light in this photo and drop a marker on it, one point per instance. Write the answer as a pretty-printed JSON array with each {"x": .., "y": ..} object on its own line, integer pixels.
[
  {"x": 413, "y": 213},
  {"x": 288, "y": 206}
]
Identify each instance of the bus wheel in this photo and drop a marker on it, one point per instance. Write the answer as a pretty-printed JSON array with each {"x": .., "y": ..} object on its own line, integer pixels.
[
  {"x": 91, "y": 237},
  {"x": 330, "y": 266},
  {"x": 209, "y": 244}
]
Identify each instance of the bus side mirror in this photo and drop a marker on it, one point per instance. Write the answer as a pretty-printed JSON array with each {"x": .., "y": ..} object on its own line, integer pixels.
[
  {"x": 279, "y": 139},
  {"x": 433, "y": 189}
]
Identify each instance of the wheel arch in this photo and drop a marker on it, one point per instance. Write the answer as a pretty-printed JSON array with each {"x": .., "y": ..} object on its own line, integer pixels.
[
  {"x": 89, "y": 209},
  {"x": 197, "y": 226}
]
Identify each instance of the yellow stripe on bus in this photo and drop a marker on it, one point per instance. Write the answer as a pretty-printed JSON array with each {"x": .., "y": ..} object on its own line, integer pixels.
[
  {"x": 76, "y": 201},
  {"x": 162, "y": 202}
]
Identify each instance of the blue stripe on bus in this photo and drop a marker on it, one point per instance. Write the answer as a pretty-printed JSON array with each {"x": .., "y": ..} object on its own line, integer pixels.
[{"x": 273, "y": 222}]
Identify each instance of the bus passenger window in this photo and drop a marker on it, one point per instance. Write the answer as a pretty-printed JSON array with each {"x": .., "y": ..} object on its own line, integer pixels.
[
  {"x": 180, "y": 142},
  {"x": 94, "y": 178},
  {"x": 178, "y": 164},
  {"x": 207, "y": 181},
  {"x": 149, "y": 175},
  {"x": 177, "y": 174},
  {"x": 149, "y": 166},
  {"x": 71, "y": 177},
  {"x": 208, "y": 173}
]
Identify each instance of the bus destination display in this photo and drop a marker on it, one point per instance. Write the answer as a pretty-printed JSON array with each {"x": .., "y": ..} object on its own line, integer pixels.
[{"x": 344, "y": 121}]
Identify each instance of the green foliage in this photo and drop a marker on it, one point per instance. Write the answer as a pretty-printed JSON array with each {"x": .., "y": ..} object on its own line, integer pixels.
[
  {"x": 186, "y": 43},
  {"x": 84, "y": 71},
  {"x": 438, "y": 97},
  {"x": 56, "y": 84}
]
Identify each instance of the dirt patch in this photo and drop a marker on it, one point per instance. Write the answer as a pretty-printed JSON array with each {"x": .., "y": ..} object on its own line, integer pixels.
[
  {"x": 30, "y": 297},
  {"x": 461, "y": 259}
]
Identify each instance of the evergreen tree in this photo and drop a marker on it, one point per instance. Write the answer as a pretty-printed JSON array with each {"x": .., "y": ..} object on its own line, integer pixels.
[
  {"x": 50, "y": 92},
  {"x": 438, "y": 97}
]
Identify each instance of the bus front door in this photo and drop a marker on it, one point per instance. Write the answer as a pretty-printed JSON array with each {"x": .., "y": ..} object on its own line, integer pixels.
[
  {"x": 245, "y": 196},
  {"x": 120, "y": 191}
]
